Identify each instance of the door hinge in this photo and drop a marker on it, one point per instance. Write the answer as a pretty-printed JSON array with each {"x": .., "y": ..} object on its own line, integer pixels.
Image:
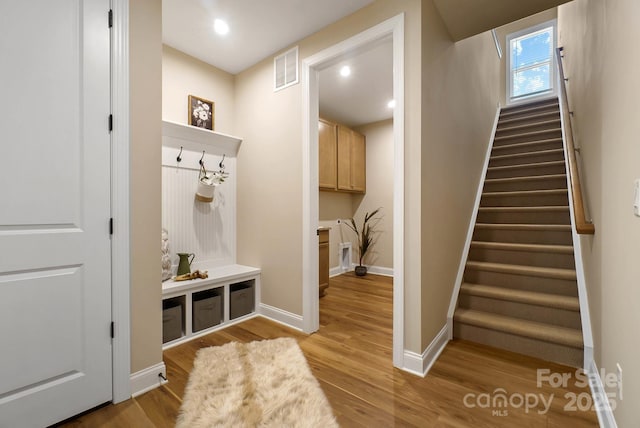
[
  {"x": 111, "y": 226},
  {"x": 110, "y": 122},
  {"x": 110, "y": 18},
  {"x": 113, "y": 329}
]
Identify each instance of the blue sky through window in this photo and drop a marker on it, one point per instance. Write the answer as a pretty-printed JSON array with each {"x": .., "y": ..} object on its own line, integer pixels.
[{"x": 531, "y": 63}]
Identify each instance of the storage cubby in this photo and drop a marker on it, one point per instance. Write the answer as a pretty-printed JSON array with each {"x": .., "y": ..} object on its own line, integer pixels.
[
  {"x": 173, "y": 312},
  {"x": 241, "y": 299},
  {"x": 197, "y": 307},
  {"x": 207, "y": 309}
]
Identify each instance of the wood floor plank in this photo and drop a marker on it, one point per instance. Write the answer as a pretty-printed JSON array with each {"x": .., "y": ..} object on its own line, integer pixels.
[{"x": 351, "y": 356}]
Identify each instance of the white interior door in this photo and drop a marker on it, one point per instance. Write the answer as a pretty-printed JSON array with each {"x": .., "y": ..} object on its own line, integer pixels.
[{"x": 55, "y": 284}]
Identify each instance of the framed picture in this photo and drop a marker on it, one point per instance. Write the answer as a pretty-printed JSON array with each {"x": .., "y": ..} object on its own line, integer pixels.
[{"x": 201, "y": 112}]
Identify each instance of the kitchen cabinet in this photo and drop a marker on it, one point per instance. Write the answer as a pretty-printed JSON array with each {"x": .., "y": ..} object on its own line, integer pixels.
[
  {"x": 342, "y": 158},
  {"x": 323, "y": 260},
  {"x": 328, "y": 155}
]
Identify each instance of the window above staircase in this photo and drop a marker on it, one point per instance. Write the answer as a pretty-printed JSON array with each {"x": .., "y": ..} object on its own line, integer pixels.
[{"x": 530, "y": 64}]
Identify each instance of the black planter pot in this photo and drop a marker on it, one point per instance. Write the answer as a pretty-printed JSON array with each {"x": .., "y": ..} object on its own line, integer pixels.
[{"x": 361, "y": 270}]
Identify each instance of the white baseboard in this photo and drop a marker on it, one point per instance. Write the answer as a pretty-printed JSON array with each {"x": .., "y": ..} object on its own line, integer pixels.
[
  {"x": 599, "y": 394},
  {"x": 147, "y": 379},
  {"x": 421, "y": 364},
  {"x": 335, "y": 271},
  {"x": 283, "y": 317}
]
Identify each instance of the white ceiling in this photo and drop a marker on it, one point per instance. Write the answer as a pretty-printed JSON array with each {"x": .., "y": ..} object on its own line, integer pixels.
[
  {"x": 362, "y": 97},
  {"x": 258, "y": 28}
]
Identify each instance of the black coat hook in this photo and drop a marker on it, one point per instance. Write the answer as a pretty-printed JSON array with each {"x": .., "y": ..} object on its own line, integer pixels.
[
  {"x": 201, "y": 161},
  {"x": 179, "y": 158},
  {"x": 221, "y": 164}
]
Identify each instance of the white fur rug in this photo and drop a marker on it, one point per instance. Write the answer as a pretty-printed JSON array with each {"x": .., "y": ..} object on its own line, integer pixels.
[{"x": 258, "y": 384}]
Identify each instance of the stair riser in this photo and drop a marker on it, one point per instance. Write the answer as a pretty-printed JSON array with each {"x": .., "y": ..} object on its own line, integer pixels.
[
  {"x": 523, "y": 138},
  {"x": 529, "y": 158},
  {"x": 523, "y": 236},
  {"x": 554, "y": 200},
  {"x": 553, "y": 316},
  {"x": 536, "y": 146},
  {"x": 529, "y": 119},
  {"x": 526, "y": 171},
  {"x": 524, "y": 258},
  {"x": 527, "y": 111},
  {"x": 513, "y": 186},
  {"x": 523, "y": 345},
  {"x": 522, "y": 282},
  {"x": 535, "y": 125},
  {"x": 545, "y": 217}
]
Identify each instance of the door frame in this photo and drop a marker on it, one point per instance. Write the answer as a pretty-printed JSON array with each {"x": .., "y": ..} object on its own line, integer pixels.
[
  {"x": 120, "y": 207},
  {"x": 311, "y": 66}
]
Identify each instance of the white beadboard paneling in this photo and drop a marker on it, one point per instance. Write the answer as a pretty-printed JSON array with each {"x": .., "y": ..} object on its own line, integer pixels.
[{"x": 205, "y": 229}]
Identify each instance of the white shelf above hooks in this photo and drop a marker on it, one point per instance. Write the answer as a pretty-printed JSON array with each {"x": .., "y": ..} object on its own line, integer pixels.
[{"x": 192, "y": 138}]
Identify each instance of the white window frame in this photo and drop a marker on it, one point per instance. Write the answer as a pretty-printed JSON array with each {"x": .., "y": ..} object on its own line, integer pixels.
[{"x": 553, "y": 71}]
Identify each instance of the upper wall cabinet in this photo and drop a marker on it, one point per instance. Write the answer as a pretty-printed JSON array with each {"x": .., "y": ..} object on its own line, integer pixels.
[{"x": 342, "y": 155}]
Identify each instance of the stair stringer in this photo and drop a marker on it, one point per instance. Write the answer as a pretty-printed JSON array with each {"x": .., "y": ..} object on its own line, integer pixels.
[
  {"x": 472, "y": 223},
  {"x": 585, "y": 317}
]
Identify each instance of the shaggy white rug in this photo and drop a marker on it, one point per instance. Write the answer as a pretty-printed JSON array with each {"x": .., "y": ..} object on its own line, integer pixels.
[{"x": 258, "y": 384}]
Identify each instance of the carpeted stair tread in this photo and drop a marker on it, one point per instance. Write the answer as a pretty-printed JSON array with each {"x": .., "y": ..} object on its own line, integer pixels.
[
  {"x": 535, "y": 271},
  {"x": 527, "y": 227},
  {"x": 544, "y": 332},
  {"x": 546, "y": 209},
  {"x": 545, "y": 192},
  {"x": 527, "y": 134},
  {"x": 569, "y": 303},
  {"x": 533, "y": 248},
  {"x": 524, "y": 179},
  {"x": 527, "y": 154},
  {"x": 550, "y": 123},
  {"x": 513, "y": 111},
  {"x": 527, "y": 144},
  {"x": 525, "y": 165},
  {"x": 537, "y": 117}
]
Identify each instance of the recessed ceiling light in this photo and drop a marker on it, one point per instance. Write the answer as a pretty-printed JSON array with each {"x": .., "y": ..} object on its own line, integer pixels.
[
  {"x": 391, "y": 104},
  {"x": 345, "y": 71},
  {"x": 221, "y": 27}
]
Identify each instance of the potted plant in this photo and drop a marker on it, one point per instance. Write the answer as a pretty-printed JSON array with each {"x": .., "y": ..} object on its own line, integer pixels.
[{"x": 365, "y": 236}]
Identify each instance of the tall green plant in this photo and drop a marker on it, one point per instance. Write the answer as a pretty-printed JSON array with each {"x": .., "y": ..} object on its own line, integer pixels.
[{"x": 364, "y": 234}]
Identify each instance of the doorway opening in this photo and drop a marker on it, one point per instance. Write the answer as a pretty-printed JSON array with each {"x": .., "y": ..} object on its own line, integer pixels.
[{"x": 311, "y": 68}]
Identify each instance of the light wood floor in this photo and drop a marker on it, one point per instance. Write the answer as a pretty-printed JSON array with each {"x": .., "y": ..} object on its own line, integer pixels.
[{"x": 351, "y": 358}]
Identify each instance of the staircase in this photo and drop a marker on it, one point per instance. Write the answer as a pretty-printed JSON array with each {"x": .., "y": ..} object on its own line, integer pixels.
[{"x": 519, "y": 290}]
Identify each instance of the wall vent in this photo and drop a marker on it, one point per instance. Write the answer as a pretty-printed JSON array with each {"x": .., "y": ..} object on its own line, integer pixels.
[{"x": 285, "y": 69}]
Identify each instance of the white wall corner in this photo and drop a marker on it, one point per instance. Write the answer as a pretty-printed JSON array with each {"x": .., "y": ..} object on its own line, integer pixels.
[
  {"x": 280, "y": 316},
  {"x": 335, "y": 271},
  {"x": 147, "y": 379},
  {"x": 600, "y": 398},
  {"x": 421, "y": 364}
]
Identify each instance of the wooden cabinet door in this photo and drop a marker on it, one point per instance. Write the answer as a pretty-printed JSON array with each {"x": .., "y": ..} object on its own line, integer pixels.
[
  {"x": 323, "y": 261},
  {"x": 344, "y": 158},
  {"x": 358, "y": 163},
  {"x": 328, "y": 155}
]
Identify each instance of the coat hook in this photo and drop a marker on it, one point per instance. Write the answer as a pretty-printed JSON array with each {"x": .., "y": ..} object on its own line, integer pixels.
[
  {"x": 201, "y": 161},
  {"x": 221, "y": 164},
  {"x": 179, "y": 158}
]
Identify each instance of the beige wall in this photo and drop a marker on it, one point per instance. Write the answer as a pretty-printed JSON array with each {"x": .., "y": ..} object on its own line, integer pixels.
[
  {"x": 145, "y": 56},
  {"x": 270, "y": 174},
  {"x": 505, "y": 30},
  {"x": 379, "y": 140},
  {"x": 184, "y": 75},
  {"x": 335, "y": 205},
  {"x": 604, "y": 92},
  {"x": 460, "y": 97}
]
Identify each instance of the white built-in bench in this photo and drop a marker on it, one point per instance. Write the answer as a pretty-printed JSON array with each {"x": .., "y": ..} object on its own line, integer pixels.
[{"x": 229, "y": 295}]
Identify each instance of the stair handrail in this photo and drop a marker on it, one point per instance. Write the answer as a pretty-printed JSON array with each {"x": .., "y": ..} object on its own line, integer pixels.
[{"x": 583, "y": 226}]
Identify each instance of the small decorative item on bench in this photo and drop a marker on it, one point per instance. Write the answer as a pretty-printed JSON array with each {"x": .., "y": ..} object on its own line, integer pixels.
[
  {"x": 184, "y": 263},
  {"x": 166, "y": 259},
  {"x": 193, "y": 275},
  {"x": 207, "y": 181}
]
